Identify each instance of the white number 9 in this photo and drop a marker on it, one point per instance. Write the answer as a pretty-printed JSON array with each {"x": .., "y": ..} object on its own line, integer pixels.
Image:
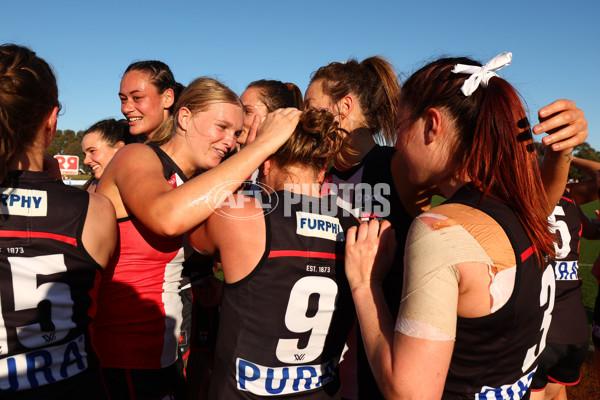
[{"x": 296, "y": 320}]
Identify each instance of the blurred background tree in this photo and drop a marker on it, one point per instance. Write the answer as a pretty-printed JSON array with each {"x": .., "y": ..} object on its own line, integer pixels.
[{"x": 68, "y": 142}]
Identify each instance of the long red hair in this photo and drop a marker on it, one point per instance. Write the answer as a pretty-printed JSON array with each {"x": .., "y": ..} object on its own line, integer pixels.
[{"x": 494, "y": 146}]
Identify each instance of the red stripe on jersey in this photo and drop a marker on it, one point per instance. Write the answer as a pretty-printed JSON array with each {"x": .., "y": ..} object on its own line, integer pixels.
[
  {"x": 43, "y": 235},
  {"x": 567, "y": 199},
  {"x": 525, "y": 255},
  {"x": 564, "y": 383},
  {"x": 306, "y": 254}
]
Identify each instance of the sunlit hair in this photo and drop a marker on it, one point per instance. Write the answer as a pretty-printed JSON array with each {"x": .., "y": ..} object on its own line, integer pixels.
[
  {"x": 374, "y": 83},
  {"x": 160, "y": 76},
  {"x": 197, "y": 97},
  {"x": 28, "y": 93},
  {"x": 316, "y": 140},
  {"x": 493, "y": 146},
  {"x": 111, "y": 131},
  {"x": 276, "y": 94}
]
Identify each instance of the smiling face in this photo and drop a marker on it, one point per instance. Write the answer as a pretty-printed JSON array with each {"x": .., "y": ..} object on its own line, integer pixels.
[
  {"x": 98, "y": 152},
  {"x": 142, "y": 105},
  {"x": 212, "y": 134},
  {"x": 252, "y": 106}
]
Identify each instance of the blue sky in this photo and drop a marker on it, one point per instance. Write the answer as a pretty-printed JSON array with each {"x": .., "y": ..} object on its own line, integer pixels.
[{"x": 555, "y": 44}]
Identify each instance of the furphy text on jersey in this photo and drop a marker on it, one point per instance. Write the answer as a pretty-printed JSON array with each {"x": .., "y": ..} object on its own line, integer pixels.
[
  {"x": 516, "y": 391},
  {"x": 321, "y": 226},
  {"x": 272, "y": 381},
  {"x": 566, "y": 270},
  {"x": 23, "y": 202}
]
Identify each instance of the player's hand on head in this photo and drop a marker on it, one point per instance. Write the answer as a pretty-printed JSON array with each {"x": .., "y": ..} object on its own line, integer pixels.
[{"x": 277, "y": 127}]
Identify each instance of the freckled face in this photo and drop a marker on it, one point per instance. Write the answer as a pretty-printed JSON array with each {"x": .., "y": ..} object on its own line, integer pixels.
[
  {"x": 212, "y": 134},
  {"x": 98, "y": 153},
  {"x": 142, "y": 105},
  {"x": 252, "y": 106}
]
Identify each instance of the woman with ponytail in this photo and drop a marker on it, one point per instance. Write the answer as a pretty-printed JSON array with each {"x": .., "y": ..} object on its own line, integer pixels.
[
  {"x": 264, "y": 96},
  {"x": 55, "y": 240},
  {"x": 286, "y": 308},
  {"x": 364, "y": 98},
  {"x": 139, "y": 306},
  {"x": 478, "y": 286},
  {"x": 148, "y": 96}
]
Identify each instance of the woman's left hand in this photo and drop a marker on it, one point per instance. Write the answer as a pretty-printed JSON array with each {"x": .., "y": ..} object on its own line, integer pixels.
[
  {"x": 370, "y": 250},
  {"x": 565, "y": 124}
]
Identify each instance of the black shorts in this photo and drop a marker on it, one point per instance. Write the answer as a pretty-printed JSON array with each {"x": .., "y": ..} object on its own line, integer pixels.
[
  {"x": 123, "y": 384},
  {"x": 559, "y": 363},
  {"x": 85, "y": 385}
]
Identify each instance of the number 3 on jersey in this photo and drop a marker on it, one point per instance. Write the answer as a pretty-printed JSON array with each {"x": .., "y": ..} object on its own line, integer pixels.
[
  {"x": 546, "y": 298},
  {"x": 34, "y": 289},
  {"x": 297, "y": 321}
]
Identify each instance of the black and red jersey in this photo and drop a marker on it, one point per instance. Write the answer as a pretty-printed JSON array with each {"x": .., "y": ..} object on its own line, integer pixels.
[
  {"x": 569, "y": 319},
  {"x": 495, "y": 356},
  {"x": 283, "y": 327},
  {"x": 46, "y": 286},
  {"x": 368, "y": 190}
]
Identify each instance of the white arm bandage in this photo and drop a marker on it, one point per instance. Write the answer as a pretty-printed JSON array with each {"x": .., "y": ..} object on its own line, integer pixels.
[{"x": 430, "y": 294}]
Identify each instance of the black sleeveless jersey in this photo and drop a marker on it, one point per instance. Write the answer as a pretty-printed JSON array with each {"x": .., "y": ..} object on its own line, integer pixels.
[
  {"x": 368, "y": 189},
  {"x": 371, "y": 194},
  {"x": 171, "y": 171},
  {"x": 495, "y": 356},
  {"x": 569, "y": 319},
  {"x": 283, "y": 327},
  {"x": 46, "y": 285}
]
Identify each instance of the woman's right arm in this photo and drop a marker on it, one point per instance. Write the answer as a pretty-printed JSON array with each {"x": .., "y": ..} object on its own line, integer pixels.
[
  {"x": 405, "y": 367},
  {"x": 134, "y": 176}
]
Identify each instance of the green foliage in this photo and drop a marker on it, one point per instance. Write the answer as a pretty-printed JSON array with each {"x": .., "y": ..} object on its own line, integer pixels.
[
  {"x": 67, "y": 142},
  {"x": 587, "y": 152}
]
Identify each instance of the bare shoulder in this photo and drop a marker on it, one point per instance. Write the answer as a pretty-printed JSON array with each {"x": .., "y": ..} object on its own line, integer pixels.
[
  {"x": 102, "y": 207},
  {"x": 238, "y": 231},
  {"x": 239, "y": 206},
  {"x": 99, "y": 235},
  {"x": 456, "y": 214},
  {"x": 131, "y": 158},
  {"x": 235, "y": 217}
]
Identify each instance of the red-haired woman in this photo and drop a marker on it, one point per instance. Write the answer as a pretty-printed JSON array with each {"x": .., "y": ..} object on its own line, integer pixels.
[
  {"x": 364, "y": 96},
  {"x": 478, "y": 288}
]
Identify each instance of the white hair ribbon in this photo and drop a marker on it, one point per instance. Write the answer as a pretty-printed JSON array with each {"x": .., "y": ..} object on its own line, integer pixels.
[{"x": 481, "y": 75}]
